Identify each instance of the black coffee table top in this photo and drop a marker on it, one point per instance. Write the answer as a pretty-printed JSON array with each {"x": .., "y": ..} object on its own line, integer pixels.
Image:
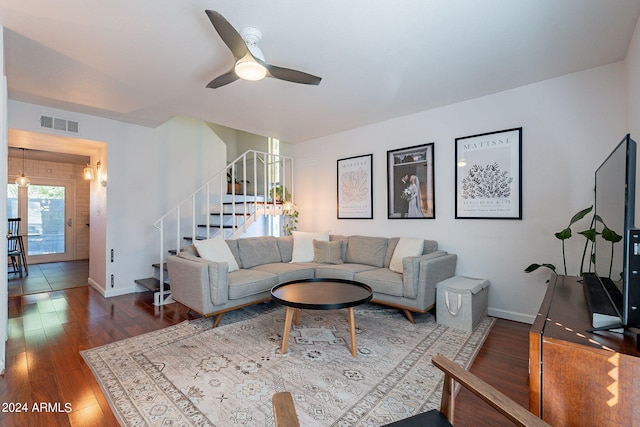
[{"x": 321, "y": 294}]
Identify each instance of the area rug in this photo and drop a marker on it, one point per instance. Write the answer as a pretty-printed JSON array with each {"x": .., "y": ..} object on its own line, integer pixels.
[{"x": 192, "y": 375}]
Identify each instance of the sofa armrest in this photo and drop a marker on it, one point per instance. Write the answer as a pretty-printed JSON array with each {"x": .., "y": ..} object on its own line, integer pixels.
[
  {"x": 197, "y": 283},
  {"x": 421, "y": 274}
]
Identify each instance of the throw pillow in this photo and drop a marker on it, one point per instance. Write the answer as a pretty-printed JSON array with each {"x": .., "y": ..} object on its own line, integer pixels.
[
  {"x": 327, "y": 252},
  {"x": 303, "y": 245},
  {"x": 217, "y": 250},
  {"x": 405, "y": 247}
]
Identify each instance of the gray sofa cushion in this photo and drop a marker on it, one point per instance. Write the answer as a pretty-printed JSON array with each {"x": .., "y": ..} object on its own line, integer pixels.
[
  {"x": 233, "y": 246},
  {"x": 391, "y": 246},
  {"x": 366, "y": 250},
  {"x": 245, "y": 282},
  {"x": 344, "y": 240},
  {"x": 287, "y": 272},
  {"x": 258, "y": 250},
  {"x": 340, "y": 271},
  {"x": 382, "y": 280},
  {"x": 327, "y": 252},
  {"x": 285, "y": 245},
  {"x": 429, "y": 246},
  {"x": 190, "y": 250}
]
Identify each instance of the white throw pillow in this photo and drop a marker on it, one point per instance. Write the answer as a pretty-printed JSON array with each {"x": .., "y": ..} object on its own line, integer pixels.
[
  {"x": 405, "y": 247},
  {"x": 303, "y": 244},
  {"x": 217, "y": 250}
]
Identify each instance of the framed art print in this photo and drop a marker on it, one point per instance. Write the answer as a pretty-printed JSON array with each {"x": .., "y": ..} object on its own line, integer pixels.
[
  {"x": 355, "y": 188},
  {"x": 489, "y": 175},
  {"x": 410, "y": 183}
]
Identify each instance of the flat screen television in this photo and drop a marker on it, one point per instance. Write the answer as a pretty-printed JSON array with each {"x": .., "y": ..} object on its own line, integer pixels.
[{"x": 614, "y": 289}]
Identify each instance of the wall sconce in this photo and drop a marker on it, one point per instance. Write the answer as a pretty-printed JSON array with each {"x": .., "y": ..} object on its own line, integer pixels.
[{"x": 88, "y": 171}]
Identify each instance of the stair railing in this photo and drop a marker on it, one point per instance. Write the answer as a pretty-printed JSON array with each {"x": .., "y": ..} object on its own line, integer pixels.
[{"x": 260, "y": 172}]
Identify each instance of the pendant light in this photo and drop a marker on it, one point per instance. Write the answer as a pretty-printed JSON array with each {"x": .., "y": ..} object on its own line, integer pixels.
[{"x": 22, "y": 180}]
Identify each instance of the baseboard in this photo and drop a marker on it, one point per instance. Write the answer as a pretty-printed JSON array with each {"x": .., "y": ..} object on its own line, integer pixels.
[
  {"x": 510, "y": 315},
  {"x": 111, "y": 292}
]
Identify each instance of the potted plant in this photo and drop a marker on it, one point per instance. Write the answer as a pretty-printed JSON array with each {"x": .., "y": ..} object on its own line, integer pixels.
[
  {"x": 234, "y": 184},
  {"x": 279, "y": 193},
  {"x": 590, "y": 235}
]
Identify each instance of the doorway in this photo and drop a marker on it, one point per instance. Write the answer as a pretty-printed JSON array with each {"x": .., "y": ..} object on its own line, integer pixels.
[{"x": 49, "y": 223}]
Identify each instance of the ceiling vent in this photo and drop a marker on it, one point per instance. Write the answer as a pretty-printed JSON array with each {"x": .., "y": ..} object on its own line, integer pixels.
[{"x": 59, "y": 124}]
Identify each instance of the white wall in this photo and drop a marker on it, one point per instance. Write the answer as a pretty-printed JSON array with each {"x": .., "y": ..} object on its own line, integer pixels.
[
  {"x": 147, "y": 172},
  {"x": 632, "y": 62},
  {"x": 569, "y": 125},
  {"x": 4, "y": 291}
]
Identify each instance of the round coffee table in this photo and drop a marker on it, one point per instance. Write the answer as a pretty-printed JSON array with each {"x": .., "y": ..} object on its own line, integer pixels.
[{"x": 320, "y": 294}]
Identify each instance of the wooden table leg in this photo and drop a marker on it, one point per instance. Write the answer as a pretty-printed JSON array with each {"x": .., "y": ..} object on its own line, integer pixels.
[
  {"x": 287, "y": 329},
  {"x": 352, "y": 331},
  {"x": 296, "y": 319}
]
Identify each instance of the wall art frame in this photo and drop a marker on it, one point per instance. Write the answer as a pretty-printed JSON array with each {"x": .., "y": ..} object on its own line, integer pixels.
[
  {"x": 410, "y": 182},
  {"x": 488, "y": 175},
  {"x": 355, "y": 187}
]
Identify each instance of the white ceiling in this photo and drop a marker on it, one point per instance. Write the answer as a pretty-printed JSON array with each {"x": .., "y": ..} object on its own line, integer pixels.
[{"x": 146, "y": 61}]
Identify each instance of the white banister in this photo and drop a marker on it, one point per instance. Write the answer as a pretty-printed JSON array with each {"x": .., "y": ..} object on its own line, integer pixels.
[{"x": 212, "y": 198}]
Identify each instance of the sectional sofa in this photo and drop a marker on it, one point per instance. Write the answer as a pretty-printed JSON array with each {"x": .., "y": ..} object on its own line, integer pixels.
[{"x": 403, "y": 273}]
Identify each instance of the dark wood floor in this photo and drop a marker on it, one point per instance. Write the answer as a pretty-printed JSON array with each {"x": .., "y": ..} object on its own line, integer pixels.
[{"x": 48, "y": 330}]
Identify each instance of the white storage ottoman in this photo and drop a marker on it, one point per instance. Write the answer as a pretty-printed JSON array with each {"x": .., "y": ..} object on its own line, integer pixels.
[{"x": 461, "y": 302}]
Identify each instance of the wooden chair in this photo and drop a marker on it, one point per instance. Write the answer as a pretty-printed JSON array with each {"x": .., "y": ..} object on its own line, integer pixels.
[
  {"x": 285, "y": 414},
  {"x": 15, "y": 248}
]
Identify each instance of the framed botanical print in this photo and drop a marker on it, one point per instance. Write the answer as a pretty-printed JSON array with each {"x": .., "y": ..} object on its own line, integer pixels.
[
  {"x": 410, "y": 183},
  {"x": 355, "y": 187},
  {"x": 489, "y": 175}
]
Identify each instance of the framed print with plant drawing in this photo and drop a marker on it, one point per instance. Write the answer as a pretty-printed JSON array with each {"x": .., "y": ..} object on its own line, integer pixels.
[
  {"x": 410, "y": 183},
  {"x": 355, "y": 189},
  {"x": 489, "y": 175}
]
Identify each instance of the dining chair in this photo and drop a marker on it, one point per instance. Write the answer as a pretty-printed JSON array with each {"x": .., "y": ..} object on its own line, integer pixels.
[{"x": 15, "y": 248}]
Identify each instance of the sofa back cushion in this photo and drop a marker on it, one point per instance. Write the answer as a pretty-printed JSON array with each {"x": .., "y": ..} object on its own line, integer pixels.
[
  {"x": 285, "y": 245},
  {"x": 233, "y": 246},
  {"x": 391, "y": 247},
  {"x": 429, "y": 246},
  {"x": 258, "y": 250},
  {"x": 366, "y": 250}
]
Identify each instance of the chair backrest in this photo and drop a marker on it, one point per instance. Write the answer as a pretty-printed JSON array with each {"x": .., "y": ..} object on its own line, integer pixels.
[
  {"x": 14, "y": 227},
  {"x": 12, "y": 231},
  {"x": 285, "y": 412}
]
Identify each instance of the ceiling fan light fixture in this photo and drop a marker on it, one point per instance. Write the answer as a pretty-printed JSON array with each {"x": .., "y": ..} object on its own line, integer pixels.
[{"x": 250, "y": 70}]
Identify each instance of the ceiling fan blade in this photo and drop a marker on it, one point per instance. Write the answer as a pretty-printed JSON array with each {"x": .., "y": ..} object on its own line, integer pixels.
[
  {"x": 228, "y": 34},
  {"x": 292, "y": 75},
  {"x": 224, "y": 79}
]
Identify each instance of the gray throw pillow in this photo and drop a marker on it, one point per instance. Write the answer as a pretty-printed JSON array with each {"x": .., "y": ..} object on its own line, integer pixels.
[{"x": 325, "y": 252}]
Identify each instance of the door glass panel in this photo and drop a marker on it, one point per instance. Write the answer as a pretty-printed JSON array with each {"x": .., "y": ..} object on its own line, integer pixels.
[
  {"x": 46, "y": 219},
  {"x": 12, "y": 201}
]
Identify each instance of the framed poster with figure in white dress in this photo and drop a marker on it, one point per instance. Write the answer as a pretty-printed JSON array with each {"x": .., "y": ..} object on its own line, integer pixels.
[{"x": 410, "y": 183}]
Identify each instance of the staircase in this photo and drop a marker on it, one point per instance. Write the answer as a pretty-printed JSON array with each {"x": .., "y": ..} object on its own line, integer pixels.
[{"x": 228, "y": 204}]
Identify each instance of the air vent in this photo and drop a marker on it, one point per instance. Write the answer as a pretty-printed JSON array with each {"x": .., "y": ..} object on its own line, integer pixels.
[{"x": 59, "y": 124}]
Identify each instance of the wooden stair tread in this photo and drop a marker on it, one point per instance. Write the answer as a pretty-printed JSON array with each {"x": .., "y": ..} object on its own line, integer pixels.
[
  {"x": 152, "y": 284},
  {"x": 157, "y": 265}
]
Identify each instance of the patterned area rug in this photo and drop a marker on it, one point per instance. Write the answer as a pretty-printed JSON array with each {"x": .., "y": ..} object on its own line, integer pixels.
[{"x": 192, "y": 375}]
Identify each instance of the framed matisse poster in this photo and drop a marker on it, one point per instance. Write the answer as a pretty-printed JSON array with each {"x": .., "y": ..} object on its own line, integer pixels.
[
  {"x": 410, "y": 183},
  {"x": 489, "y": 175},
  {"x": 355, "y": 188}
]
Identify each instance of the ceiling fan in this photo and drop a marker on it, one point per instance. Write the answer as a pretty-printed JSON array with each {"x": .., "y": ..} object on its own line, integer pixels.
[{"x": 250, "y": 63}]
